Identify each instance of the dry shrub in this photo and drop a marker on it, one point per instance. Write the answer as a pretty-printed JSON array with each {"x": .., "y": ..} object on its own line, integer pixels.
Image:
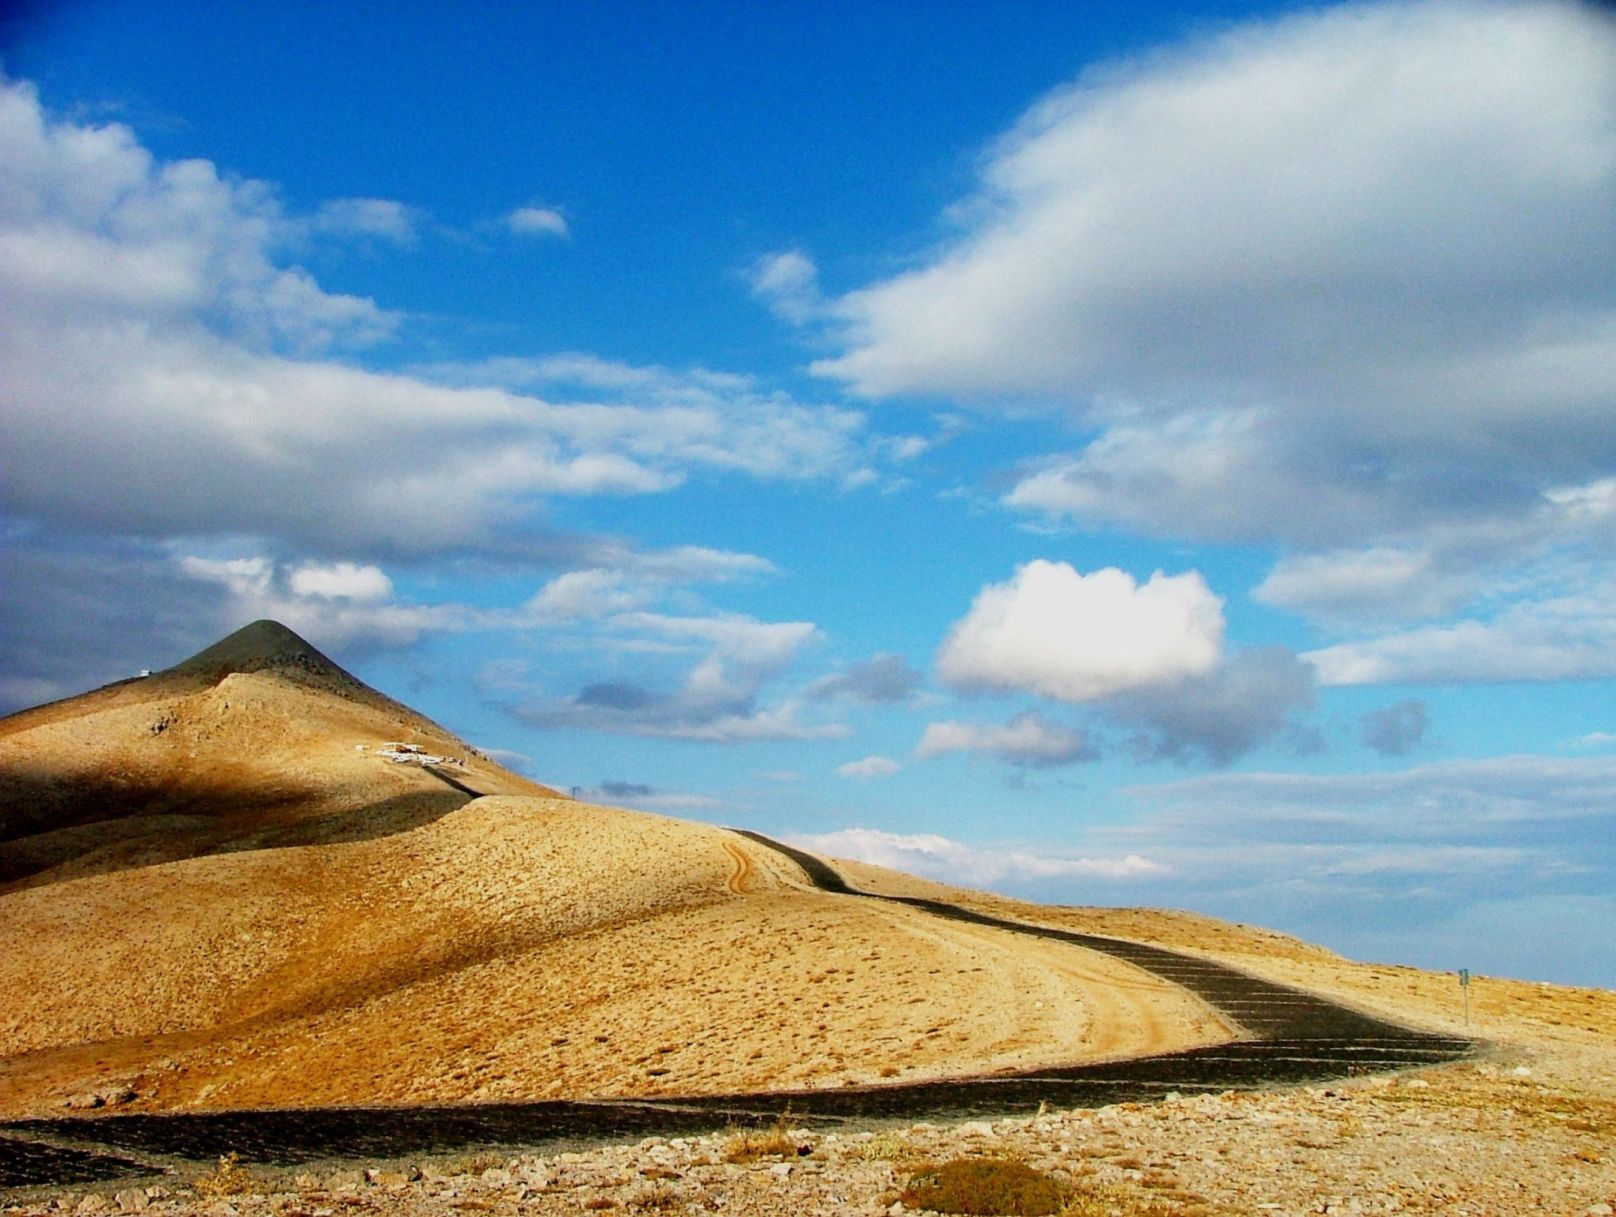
[
  {"x": 882, "y": 1147},
  {"x": 985, "y": 1186},
  {"x": 1098, "y": 1200},
  {"x": 658, "y": 1199},
  {"x": 226, "y": 1179},
  {"x": 471, "y": 1164},
  {"x": 750, "y": 1144}
]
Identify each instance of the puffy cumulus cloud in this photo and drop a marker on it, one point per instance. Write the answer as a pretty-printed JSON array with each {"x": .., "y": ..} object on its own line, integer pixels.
[
  {"x": 869, "y": 767},
  {"x": 537, "y": 222},
  {"x": 1221, "y": 715},
  {"x": 154, "y": 324},
  {"x": 1341, "y": 280},
  {"x": 1397, "y": 729},
  {"x": 1027, "y": 739},
  {"x": 339, "y": 581},
  {"x": 939, "y": 857},
  {"x": 94, "y": 230},
  {"x": 881, "y": 679},
  {"x": 1054, "y": 631},
  {"x": 788, "y": 283},
  {"x": 1149, "y": 656}
]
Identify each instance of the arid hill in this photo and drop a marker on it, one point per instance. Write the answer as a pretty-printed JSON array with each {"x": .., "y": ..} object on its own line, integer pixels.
[{"x": 217, "y": 891}]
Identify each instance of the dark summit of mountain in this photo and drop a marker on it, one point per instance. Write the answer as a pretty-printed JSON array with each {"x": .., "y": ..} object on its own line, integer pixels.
[{"x": 265, "y": 646}]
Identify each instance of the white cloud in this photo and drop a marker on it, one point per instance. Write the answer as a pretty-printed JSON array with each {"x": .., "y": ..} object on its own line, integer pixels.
[
  {"x": 335, "y": 604},
  {"x": 869, "y": 767},
  {"x": 788, "y": 283},
  {"x": 339, "y": 581},
  {"x": 586, "y": 594},
  {"x": 1028, "y": 739},
  {"x": 154, "y": 324},
  {"x": 94, "y": 230},
  {"x": 384, "y": 218},
  {"x": 537, "y": 222},
  {"x": 1057, "y": 632},
  {"x": 243, "y": 576},
  {"x": 1375, "y": 147},
  {"x": 951, "y": 861},
  {"x": 1594, "y": 739},
  {"x": 1342, "y": 281},
  {"x": 1375, "y": 583},
  {"x": 1565, "y": 637}
]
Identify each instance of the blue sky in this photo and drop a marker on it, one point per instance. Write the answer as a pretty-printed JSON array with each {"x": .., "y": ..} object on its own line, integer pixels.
[{"x": 1111, "y": 454}]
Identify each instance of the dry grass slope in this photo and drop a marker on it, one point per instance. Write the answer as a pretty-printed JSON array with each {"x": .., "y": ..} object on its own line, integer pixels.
[{"x": 214, "y": 893}]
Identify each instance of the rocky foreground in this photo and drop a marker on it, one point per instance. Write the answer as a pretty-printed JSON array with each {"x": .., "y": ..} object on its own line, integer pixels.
[{"x": 1512, "y": 1134}]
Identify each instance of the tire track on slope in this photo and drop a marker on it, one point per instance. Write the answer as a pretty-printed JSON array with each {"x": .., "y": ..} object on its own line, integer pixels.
[{"x": 736, "y": 883}]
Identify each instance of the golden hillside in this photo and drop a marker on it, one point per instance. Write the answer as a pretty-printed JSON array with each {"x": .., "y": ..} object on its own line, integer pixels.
[{"x": 215, "y": 891}]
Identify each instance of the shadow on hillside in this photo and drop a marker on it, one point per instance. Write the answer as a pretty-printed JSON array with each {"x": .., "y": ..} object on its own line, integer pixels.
[{"x": 51, "y": 831}]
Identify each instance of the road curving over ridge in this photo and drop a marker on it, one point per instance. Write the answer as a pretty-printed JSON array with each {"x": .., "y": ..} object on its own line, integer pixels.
[{"x": 1293, "y": 1037}]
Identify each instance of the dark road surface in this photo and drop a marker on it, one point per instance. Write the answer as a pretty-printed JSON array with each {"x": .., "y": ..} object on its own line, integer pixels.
[{"x": 1296, "y": 1037}]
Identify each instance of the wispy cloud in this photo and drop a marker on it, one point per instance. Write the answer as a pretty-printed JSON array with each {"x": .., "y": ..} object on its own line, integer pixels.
[
  {"x": 869, "y": 767},
  {"x": 1027, "y": 739},
  {"x": 713, "y": 672},
  {"x": 788, "y": 282},
  {"x": 537, "y": 222},
  {"x": 881, "y": 679},
  {"x": 951, "y": 861}
]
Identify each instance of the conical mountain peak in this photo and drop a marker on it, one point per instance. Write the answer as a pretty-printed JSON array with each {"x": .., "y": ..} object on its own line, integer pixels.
[{"x": 265, "y": 646}]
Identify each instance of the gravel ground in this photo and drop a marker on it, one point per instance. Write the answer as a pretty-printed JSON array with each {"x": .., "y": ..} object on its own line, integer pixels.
[{"x": 1501, "y": 1136}]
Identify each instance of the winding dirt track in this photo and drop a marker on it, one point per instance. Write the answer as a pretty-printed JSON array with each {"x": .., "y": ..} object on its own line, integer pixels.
[
  {"x": 737, "y": 882},
  {"x": 1295, "y": 1037}
]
